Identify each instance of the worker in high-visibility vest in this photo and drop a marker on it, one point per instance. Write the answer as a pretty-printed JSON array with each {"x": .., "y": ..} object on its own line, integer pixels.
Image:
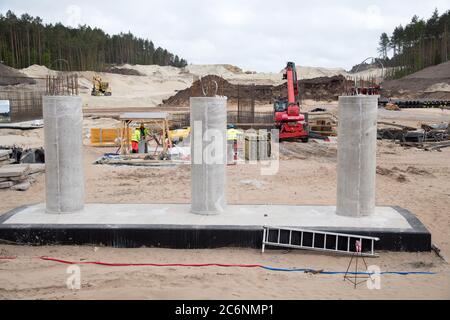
[
  {"x": 232, "y": 133},
  {"x": 232, "y": 137},
  {"x": 139, "y": 134}
]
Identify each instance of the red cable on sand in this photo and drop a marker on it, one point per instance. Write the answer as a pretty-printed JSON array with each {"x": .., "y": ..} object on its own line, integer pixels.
[
  {"x": 153, "y": 264},
  {"x": 208, "y": 265}
]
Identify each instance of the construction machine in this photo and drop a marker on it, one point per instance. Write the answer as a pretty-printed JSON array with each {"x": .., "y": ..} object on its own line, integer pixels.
[
  {"x": 178, "y": 135},
  {"x": 99, "y": 87},
  {"x": 288, "y": 119}
]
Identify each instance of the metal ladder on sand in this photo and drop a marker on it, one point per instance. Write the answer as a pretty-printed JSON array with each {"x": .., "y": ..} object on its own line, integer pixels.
[{"x": 306, "y": 239}]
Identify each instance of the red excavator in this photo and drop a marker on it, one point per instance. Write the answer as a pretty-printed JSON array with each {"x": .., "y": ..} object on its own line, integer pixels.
[{"x": 288, "y": 120}]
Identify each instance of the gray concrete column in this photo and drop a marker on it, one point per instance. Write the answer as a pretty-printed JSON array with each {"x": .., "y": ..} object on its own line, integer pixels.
[
  {"x": 208, "y": 154},
  {"x": 356, "y": 167},
  {"x": 64, "y": 178}
]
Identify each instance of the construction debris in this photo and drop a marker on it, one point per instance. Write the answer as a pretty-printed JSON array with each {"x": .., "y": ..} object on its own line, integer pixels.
[
  {"x": 19, "y": 176},
  {"x": 427, "y": 146},
  {"x": 25, "y": 125},
  {"x": 5, "y": 157},
  {"x": 139, "y": 162},
  {"x": 428, "y": 136},
  {"x": 393, "y": 104},
  {"x": 323, "y": 123},
  {"x": 17, "y": 155}
]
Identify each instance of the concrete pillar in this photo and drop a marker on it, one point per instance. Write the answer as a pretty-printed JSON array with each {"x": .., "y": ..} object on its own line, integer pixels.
[
  {"x": 356, "y": 167},
  {"x": 208, "y": 154},
  {"x": 64, "y": 178}
]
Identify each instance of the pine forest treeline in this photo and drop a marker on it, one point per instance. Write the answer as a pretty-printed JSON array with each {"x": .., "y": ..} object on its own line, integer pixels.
[
  {"x": 419, "y": 44},
  {"x": 26, "y": 40}
]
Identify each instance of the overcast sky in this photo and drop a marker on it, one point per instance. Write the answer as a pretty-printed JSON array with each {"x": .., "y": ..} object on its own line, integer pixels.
[{"x": 254, "y": 35}]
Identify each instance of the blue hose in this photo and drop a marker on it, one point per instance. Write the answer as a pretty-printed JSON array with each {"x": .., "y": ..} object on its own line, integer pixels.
[{"x": 402, "y": 273}]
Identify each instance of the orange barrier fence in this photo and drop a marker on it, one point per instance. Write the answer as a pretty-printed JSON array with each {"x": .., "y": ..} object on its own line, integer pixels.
[{"x": 110, "y": 137}]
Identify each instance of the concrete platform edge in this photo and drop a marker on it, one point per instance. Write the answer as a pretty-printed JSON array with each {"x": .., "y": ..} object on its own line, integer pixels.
[{"x": 193, "y": 236}]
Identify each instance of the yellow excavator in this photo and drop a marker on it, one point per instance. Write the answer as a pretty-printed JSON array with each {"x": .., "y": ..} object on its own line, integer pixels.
[{"x": 99, "y": 87}]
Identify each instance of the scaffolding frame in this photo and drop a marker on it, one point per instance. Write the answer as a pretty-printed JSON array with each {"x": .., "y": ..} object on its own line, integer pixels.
[{"x": 157, "y": 121}]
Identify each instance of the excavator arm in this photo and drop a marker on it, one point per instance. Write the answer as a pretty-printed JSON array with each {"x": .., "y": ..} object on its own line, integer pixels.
[
  {"x": 288, "y": 118},
  {"x": 292, "y": 83}
]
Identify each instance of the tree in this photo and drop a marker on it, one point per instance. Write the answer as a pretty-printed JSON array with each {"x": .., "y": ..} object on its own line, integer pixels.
[
  {"x": 383, "y": 45},
  {"x": 27, "y": 40},
  {"x": 419, "y": 44}
]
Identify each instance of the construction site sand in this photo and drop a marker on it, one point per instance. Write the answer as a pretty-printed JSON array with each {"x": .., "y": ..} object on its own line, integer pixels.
[
  {"x": 410, "y": 178},
  {"x": 158, "y": 83}
]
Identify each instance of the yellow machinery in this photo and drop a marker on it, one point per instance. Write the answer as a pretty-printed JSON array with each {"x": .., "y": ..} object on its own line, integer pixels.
[
  {"x": 178, "y": 135},
  {"x": 99, "y": 87}
]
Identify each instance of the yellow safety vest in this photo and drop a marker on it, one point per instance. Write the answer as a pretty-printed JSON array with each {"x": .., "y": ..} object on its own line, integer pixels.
[
  {"x": 136, "y": 135},
  {"x": 232, "y": 134}
]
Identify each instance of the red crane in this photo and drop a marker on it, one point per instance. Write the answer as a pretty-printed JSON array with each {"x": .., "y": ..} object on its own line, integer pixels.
[{"x": 288, "y": 120}]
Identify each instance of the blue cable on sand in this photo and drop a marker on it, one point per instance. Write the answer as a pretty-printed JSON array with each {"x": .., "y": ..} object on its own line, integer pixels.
[{"x": 402, "y": 273}]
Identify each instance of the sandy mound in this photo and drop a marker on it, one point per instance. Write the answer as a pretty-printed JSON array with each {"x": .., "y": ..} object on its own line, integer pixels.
[
  {"x": 10, "y": 76},
  {"x": 439, "y": 87},
  {"x": 37, "y": 71},
  {"x": 323, "y": 152},
  {"x": 323, "y": 88},
  {"x": 149, "y": 85},
  {"x": 148, "y": 89},
  {"x": 317, "y": 72},
  {"x": 124, "y": 71},
  {"x": 236, "y": 75},
  {"x": 372, "y": 72},
  {"x": 432, "y": 82},
  {"x": 440, "y": 71},
  {"x": 154, "y": 71},
  {"x": 222, "y": 70}
]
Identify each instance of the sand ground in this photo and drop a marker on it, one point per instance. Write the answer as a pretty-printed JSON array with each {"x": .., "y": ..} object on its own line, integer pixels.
[
  {"x": 30, "y": 278},
  {"x": 410, "y": 178}
]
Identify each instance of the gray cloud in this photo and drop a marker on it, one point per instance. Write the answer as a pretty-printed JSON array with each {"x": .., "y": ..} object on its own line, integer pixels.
[{"x": 255, "y": 35}]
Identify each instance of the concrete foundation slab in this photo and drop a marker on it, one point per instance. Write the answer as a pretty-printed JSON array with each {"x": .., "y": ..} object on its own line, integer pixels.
[{"x": 173, "y": 226}]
